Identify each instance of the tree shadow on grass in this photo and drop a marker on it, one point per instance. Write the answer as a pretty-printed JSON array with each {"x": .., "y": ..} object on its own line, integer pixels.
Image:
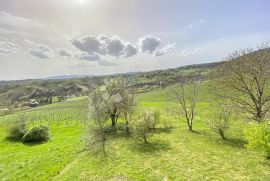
[
  {"x": 236, "y": 142},
  {"x": 34, "y": 143},
  {"x": 151, "y": 147},
  {"x": 12, "y": 140},
  {"x": 161, "y": 130}
]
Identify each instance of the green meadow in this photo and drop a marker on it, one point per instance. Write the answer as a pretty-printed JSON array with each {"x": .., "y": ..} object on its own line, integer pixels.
[{"x": 173, "y": 152}]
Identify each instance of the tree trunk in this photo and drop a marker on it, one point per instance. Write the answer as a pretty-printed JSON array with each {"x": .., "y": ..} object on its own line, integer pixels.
[
  {"x": 127, "y": 126},
  {"x": 190, "y": 126},
  {"x": 113, "y": 118},
  {"x": 258, "y": 115},
  {"x": 221, "y": 134},
  {"x": 144, "y": 137}
]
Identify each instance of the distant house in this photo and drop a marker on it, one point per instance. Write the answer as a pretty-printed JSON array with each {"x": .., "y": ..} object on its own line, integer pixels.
[{"x": 33, "y": 102}]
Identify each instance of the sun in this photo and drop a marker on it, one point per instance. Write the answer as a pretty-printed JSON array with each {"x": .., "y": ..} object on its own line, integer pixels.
[{"x": 82, "y": 1}]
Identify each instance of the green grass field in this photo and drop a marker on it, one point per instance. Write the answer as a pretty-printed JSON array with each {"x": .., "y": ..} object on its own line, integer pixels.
[{"x": 171, "y": 154}]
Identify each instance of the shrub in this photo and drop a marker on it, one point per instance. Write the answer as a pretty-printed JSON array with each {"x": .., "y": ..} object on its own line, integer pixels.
[
  {"x": 167, "y": 123},
  {"x": 17, "y": 132},
  {"x": 153, "y": 118},
  {"x": 140, "y": 126},
  {"x": 156, "y": 120},
  {"x": 219, "y": 120},
  {"x": 258, "y": 137},
  {"x": 37, "y": 134}
]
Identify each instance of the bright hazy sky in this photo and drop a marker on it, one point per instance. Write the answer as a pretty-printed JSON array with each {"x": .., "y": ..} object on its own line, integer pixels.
[{"x": 43, "y": 38}]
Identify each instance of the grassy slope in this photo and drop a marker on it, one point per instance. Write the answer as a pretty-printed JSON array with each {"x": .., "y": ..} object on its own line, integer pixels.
[
  {"x": 173, "y": 154},
  {"x": 42, "y": 161}
]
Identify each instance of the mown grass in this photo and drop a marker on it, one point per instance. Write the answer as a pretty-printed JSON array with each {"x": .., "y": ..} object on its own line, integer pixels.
[
  {"x": 171, "y": 154},
  {"x": 41, "y": 161}
]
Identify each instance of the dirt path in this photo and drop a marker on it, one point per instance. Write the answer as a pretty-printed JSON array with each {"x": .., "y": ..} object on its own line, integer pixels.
[{"x": 67, "y": 167}]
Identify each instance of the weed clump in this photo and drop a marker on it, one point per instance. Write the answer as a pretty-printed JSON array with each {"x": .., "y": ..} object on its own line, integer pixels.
[
  {"x": 37, "y": 134},
  {"x": 17, "y": 132}
]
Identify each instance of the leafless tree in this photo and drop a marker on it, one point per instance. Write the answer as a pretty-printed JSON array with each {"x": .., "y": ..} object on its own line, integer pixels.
[
  {"x": 185, "y": 95},
  {"x": 97, "y": 120},
  {"x": 219, "y": 119},
  {"x": 244, "y": 80},
  {"x": 120, "y": 99},
  {"x": 128, "y": 107},
  {"x": 140, "y": 126}
]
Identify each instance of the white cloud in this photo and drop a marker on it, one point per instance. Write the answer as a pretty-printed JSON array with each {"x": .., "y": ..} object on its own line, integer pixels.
[
  {"x": 106, "y": 63},
  {"x": 15, "y": 23},
  {"x": 130, "y": 50},
  {"x": 105, "y": 46},
  {"x": 151, "y": 45},
  {"x": 29, "y": 43},
  {"x": 89, "y": 44},
  {"x": 7, "y": 48},
  {"x": 187, "y": 53},
  {"x": 115, "y": 47},
  {"x": 87, "y": 56},
  {"x": 164, "y": 50},
  {"x": 202, "y": 21},
  {"x": 41, "y": 51},
  {"x": 64, "y": 53}
]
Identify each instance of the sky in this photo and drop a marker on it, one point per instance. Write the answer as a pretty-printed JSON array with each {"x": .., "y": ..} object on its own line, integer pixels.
[{"x": 44, "y": 38}]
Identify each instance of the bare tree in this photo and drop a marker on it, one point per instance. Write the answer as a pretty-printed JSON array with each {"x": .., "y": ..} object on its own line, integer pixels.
[
  {"x": 185, "y": 95},
  {"x": 113, "y": 90},
  {"x": 141, "y": 124},
  {"x": 98, "y": 117},
  {"x": 120, "y": 100},
  {"x": 219, "y": 119},
  {"x": 128, "y": 107},
  {"x": 244, "y": 81}
]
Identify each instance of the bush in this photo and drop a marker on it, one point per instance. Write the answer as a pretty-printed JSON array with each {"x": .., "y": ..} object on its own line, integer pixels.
[
  {"x": 37, "y": 134},
  {"x": 167, "y": 123},
  {"x": 153, "y": 118},
  {"x": 156, "y": 118},
  {"x": 17, "y": 132},
  {"x": 141, "y": 125},
  {"x": 258, "y": 137},
  {"x": 219, "y": 120}
]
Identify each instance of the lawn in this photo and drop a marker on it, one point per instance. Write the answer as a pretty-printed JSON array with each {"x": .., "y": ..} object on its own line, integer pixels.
[{"x": 171, "y": 154}]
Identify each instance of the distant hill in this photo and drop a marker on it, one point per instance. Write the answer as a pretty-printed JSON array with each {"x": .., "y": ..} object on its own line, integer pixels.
[
  {"x": 63, "y": 77},
  {"x": 15, "y": 94}
]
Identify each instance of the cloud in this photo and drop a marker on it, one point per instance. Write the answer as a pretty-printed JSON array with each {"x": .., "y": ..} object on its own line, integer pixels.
[
  {"x": 16, "y": 24},
  {"x": 164, "y": 50},
  {"x": 42, "y": 51},
  {"x": 29, "y": 43},
  {"x": 105, "y": 46},
  {"x": 191, "y": 52},
  {"x": 64, "y": 53},
  {"x": 106, "y": 63},
  {"x": 87, "y": 56},
  {"x": 39, "y": 50},
  {"x": 115, "y": 47},
  {"x": 151, "y": 45},
  {"x": 7, "y": 48},
  {"x": 202, "y": 21},
  {"x": 89, "y": 44},
  {"x": 130, "y": 50}
]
